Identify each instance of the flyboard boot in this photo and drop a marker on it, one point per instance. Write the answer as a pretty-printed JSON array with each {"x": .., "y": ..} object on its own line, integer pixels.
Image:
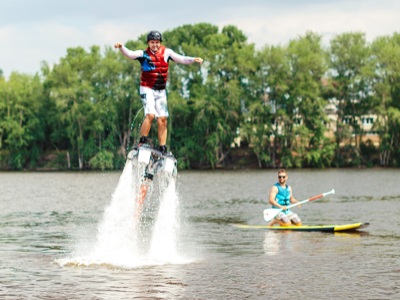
[{"x": 155, "y": 163}]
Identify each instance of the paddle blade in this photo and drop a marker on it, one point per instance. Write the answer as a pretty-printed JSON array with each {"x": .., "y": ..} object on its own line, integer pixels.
[
  {"x": 271, "y": 213},
  {"x": 328, "y": 193}
]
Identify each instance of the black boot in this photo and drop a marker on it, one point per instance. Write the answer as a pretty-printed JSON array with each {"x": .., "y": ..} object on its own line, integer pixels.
[
  {"x": 163, "y": 149},
  {"x": 142, "y": 140}
]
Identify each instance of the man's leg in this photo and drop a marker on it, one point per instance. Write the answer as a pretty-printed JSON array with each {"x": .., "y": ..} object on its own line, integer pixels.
[
  {"x": 162, "y": 130},
  {"x": 147, "y": 124},
  {"x": 295, "y": 220},
  {"x": 272, "y": 222},
  {"x": 162, "y": 115},
  {"x": 282, "y": 222},
  {"x": 148, "y": 101}
]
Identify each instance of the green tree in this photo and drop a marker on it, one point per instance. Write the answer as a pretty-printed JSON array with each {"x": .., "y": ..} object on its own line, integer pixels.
[
  {"x": 349, "y": 62},
  {"x": 21, "y": 132},
  {"x": 205, "y": 126},
  {"x": 275, "y": 74},
  {"x": 292, "y": 82},
  {"x": 308, "y": 66},
  {"x": 69, "y": 86},
  {"x": 386, "y": 51}
]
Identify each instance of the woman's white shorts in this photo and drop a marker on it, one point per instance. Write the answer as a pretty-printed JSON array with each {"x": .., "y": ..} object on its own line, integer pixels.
[{"x": 154, "y": 102}]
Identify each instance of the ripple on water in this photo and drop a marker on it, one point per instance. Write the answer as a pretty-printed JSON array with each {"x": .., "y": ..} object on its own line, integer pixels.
[{"x": 46, "y": 218}]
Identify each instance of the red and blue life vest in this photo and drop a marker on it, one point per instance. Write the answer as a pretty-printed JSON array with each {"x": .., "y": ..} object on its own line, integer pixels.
[{"x": 154, "y": 69}]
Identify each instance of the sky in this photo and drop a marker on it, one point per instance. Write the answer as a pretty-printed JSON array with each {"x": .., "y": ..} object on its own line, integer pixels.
[{"x": 42, "y": 30}]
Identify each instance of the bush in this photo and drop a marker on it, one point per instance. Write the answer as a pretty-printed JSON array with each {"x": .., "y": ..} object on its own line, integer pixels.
[{"x": 103, "y": 160}]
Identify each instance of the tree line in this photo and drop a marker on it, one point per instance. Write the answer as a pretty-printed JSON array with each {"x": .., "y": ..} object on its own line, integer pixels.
[{"x": 85, "y": 111}]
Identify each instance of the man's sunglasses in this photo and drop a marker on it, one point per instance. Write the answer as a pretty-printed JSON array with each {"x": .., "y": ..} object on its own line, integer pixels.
[{"x": 281, "y": 176}]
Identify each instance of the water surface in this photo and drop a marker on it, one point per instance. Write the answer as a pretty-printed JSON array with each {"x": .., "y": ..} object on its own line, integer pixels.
[{"x": 45, "y": 217}]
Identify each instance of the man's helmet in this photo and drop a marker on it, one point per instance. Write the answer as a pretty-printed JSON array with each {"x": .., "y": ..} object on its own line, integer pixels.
[{"x": 154, "y": 35}]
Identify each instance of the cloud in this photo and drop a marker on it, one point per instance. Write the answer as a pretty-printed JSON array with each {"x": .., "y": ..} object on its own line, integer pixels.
[
  {"x": 44, "y": 29},
  {"x": 109, "y": 33},
  {"x": 25, "y": 47},
  {"x": 11, "y": 51},
  {"x": 282, "y": 28},
  {"x": 54, "y": 35}
]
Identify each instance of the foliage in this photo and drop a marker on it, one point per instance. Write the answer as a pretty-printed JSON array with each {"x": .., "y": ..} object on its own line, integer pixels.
[
  {"x": 87, "y": 107},
  {"x": 386, "y": 102},
  {"x": 103, "y": 160},
  {"x": 350, "y": 87}
]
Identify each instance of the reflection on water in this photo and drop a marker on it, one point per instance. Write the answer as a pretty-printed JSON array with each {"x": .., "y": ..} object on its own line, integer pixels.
[
  {"x": 276, "y": 243},
  {"x": 289, "y": 242},
  {"x": 351, "y": 234},
  {"x": 46, "y": 216}
]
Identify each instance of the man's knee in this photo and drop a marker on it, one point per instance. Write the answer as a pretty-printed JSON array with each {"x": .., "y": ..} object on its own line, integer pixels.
[
  {"x": 297, "y": 221},
  {"x": 150, "y": 117},
  {"x": 162, "y": 121},
  {"x": 284, "y": 222}
]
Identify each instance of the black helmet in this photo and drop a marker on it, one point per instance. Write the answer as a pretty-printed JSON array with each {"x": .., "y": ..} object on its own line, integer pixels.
[{"x": 154, "y": 35}]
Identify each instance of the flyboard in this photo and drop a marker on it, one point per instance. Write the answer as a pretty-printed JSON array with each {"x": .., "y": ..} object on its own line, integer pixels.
[
  {"x": 154, "y": 163},
  {"x": 153, "y": 160},
  {"x": 326, "y": 228}
]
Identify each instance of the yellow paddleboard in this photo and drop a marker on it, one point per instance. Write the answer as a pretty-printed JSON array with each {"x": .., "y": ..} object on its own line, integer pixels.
[{"x": 330, "y": 228}]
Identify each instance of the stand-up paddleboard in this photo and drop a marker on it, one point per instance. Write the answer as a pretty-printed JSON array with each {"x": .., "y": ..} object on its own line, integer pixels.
[
  {"x": 328, "y": 228},
  {"x": 271, "y": 213}
]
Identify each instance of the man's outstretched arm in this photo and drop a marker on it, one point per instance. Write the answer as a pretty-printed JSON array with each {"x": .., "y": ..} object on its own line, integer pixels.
[
  {"x": 129, "y": 53},
  {"x": 186, "y": 60},
  {"x": 292, "y": 200}
]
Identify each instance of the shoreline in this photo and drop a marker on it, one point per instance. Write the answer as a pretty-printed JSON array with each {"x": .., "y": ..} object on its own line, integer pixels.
[{"x": 49, "y": 170}]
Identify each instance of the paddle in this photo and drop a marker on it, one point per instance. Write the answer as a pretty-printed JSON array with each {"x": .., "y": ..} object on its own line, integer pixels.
[{"x": 271, "y": 213}]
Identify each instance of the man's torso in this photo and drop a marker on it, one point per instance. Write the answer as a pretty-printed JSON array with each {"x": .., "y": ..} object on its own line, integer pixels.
[
  {"x": 283, "y": 197},
  {"x": 154, "y": 69}
]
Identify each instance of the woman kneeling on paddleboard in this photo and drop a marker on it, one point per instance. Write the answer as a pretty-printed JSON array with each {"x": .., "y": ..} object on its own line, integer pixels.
[{"x": 280, "y": 197}]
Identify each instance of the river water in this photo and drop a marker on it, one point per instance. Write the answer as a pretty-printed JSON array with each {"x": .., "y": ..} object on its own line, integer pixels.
[{"x": 50, "y": 221}]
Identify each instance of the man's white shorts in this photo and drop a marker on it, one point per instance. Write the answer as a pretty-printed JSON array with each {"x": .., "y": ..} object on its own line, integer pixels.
[
  {"x": 290, "y": 216},
  {"x": 154, "y": 102}
]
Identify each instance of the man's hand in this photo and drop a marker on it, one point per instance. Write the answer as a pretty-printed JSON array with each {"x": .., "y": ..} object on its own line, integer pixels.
[
  {"x": 299, "y": 205},
  {"x": 284, "y": 208},
  {"x": 118, "y": 45},
  {"x": 198, "y": 60}
]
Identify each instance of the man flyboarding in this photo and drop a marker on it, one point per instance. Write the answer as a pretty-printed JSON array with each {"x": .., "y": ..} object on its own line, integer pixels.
[
  {"x": 154, "y": 62},
  {"x": 280, "y": 197}
]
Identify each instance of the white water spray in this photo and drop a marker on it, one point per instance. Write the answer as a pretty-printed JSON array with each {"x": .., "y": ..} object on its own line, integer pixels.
[
  {"x": 164, "y": 241},
  {"x": 122, "y": 240}
]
